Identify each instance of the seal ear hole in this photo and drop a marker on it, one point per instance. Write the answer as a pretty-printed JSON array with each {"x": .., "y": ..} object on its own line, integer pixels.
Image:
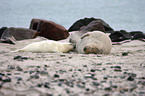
[{"x": 85, "y": 36}]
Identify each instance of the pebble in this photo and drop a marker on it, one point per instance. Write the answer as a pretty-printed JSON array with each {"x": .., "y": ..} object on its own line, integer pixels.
[
  {"x": 43, "y": 73},
  {"x": 9, "y": 74},
  {"x": 38, "y": 66},
  {"x": 31, "y": 66},
  {"x": 79, "y": 69},
  {"x": 70, "y": 57},
  {"x": 108, "y": 89},
  {"x": 125, "y": 89},
  {"x": 1, "y": 77},
  {"x": 141, "y": 77},
  {"x": 25, "y": 71},
  {"x": 47, "y": 85},
  {"x": 58, "y": 62},
  {"x": 70, "y": 70},
  {"x": 122, "y": 77},
  {"x": 103, "y": 81},
  {"x": 96, "y": 83},
  {"x": 117, "y": 70},
  {"x": 19, "y": 78},
  {"x": 35, "y": 76},
  {"x": 2, "y": 74},
  {"x": 92, "y": 70},
  {"x": 130, "y": 78},
  {"x": 62, "y": 55},
  {"x": 104, "y": 69},
  {"x": 70, "y": 84},
  {"x": 114, "y": 86},
  {"x": 132, "y": 74},
  {"x": 109, "y": 76},
  {"x": 1, "y": 85},
  {"x": 124, "y": 72},
  {"x": 17, "y": 57},
  {"x": 30, "y": 72},
  {"x": 62, "y": 80},
  {"x": 124, "y": 53},
  {"x": 56, "y": 76},
  {"x": 36, "y": 69},
  {"x": 125, "y": 69},
  {"x": 6, "y": 79},
  {"x": 87, "y": 89},
  {"x": 73, "y": 75},
  {"x": 98, "y": 70},
  {"x": 84, "y": 83},
  {"x": 108, "y": 63},
  {"x": 84, "y": 65},
  {"x": 80, "y": 85},
  {"x": 60, "y": 83},
  {"x": 88, "y": 76},
  {"x": 17, "y": 73},
  {"x": 19, "y": 68},
  {"x": 141, "y": 82},
  {"x": 20, "y": 58},
  {"x": 107, "y": 94},
  {"x": 105, "y": 77},
  {"x": 141, "y": 93},
  {"x": 46, "y": 66},
  {"x": 24, "y": 58},
  {"x": 133, "y": 88},
  {"x": 99, "y": 56},
  {"x": 97, "y": 64},
  {"x": 39, "y": 84},
  {"x": 94, "y": 78},
  {"x": 62, "y": 71},
  {"x": 118, "y": 67},
  {"x": 18, "y": 82},
  {"x": 11, "y": 67},
  {"x": 67, "y": 90}
]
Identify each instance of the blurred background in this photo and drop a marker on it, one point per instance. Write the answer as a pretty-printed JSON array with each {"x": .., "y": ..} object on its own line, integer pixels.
[{"x": 119, "y": 14}]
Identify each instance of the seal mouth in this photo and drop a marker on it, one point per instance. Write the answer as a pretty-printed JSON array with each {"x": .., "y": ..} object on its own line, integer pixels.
[{"x": 91, "y": 49}]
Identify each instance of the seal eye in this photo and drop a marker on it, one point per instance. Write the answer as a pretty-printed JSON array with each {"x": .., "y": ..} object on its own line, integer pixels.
[{"x": 85, "y": 36}]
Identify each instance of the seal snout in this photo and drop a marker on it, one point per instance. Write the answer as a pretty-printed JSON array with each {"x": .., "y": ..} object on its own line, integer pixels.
[{"x": 91, "y": 49}]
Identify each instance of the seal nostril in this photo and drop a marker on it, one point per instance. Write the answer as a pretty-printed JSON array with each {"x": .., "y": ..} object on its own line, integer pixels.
[{"x": 85, "y": 48}]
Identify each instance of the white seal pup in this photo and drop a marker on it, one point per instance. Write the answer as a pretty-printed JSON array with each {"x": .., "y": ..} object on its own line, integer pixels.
[
  {"x": 47, "y": 46},
  {"x": 96, "y": 42}
]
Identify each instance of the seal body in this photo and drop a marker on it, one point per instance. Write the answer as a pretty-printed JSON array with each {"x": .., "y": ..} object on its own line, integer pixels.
[
  {"x": 48, "y": 46},
  {"x": 95, "y": 42}
]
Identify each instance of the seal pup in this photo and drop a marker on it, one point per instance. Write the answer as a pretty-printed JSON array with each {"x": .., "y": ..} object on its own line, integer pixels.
[{"x": 47, "y": 46}]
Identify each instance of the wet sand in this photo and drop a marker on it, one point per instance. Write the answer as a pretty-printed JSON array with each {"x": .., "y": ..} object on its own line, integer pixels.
[{"x": 121, "y": 73}]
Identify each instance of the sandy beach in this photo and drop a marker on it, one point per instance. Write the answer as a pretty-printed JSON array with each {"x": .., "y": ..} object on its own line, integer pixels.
[{"x": 121, "y": 73}]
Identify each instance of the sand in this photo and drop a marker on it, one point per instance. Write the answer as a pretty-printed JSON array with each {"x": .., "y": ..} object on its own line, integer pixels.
[{"x": 121, "y": 73}]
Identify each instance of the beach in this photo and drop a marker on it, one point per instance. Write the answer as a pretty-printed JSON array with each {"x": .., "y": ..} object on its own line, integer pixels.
[{"x": 121, "y": 73}]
